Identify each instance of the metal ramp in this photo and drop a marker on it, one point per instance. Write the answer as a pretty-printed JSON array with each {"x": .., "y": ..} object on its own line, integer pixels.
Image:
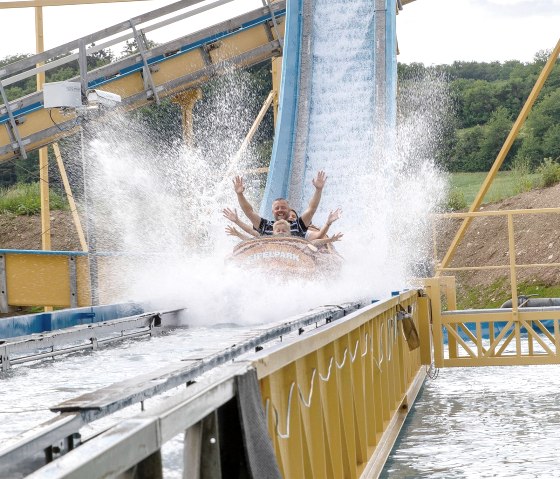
[
  {"x": 59, "y": 435},
  {"x": 149, "y": 75}
]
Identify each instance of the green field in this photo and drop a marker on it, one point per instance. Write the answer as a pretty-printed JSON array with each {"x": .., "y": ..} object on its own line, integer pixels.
[{"x": 505, "y": 184}]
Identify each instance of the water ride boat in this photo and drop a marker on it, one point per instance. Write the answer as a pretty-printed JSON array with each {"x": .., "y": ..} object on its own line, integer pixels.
[{"x": 288, "y": 256}]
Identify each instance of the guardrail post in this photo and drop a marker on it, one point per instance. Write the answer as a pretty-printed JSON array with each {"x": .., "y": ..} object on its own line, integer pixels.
[
  {"x": 149, "y": 468},
  {"x": 424, "y": 330},
  {"x": 201, "y": 451},
  {"x": 4, "y": 308},
  {"x": 434, "y": 293},
  {"x": 73, "y": 281}
]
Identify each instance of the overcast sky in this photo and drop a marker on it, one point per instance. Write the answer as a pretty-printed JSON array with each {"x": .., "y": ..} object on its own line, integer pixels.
[{"x": 428, "y": 31}]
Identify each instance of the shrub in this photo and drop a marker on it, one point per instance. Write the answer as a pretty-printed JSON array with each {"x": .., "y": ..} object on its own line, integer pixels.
[
  {"x": 456, "y": 200},
  {"x": 549, "y": 170},
  {"x": 520, "y": 170},
  {"x": 25, "y": 199}
]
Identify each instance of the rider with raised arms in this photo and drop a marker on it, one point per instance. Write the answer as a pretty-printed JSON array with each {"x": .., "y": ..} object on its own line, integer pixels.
[{"x": 281, "y": 208}]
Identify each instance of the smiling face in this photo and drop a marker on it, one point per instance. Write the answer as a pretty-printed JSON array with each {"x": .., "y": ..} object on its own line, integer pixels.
[
  {"x": 281, "y": 228},
  {"x": 292, "y": 216},
  {"x": 280, "y": 209}
]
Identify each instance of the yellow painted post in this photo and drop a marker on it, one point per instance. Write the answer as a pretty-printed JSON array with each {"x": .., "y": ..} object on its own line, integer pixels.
[
  {"x": 512, "y": 267},
  {"x": 43, "y": 152},
  {"x": 448, "y": 284},
  {"x": 70, "y": 197},
  {"x": 432, "y": 289},
  {"x": 357, "y": 341},
  {"x": 54, "y": 3},
  {"x": 343, "y": 374},
  {"x": 253, "y": 129},
  {"x": 502, "y": 154},
  {"x": 312, "y": 413},
  {"x": 385, "y": 371},
  {"x": 451, "y": 293},
  {"x": 276, "y": 81},
  {"x": 378, "y": 363},
  {"x": 186, "y": 100},
  {"x": 330, "y": 404},
  {"x": 368, "y": 381}
]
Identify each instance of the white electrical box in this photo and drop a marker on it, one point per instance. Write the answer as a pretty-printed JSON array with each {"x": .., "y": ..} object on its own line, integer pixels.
[{"x": 62, "y": 94}]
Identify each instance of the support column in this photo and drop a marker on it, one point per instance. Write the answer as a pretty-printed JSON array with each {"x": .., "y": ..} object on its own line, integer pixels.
[
  {"x": 276, "y": 81},
  {"x": 186, "y": 101},
  {"x": 43, "y": 152},
  {"x": 71, "y": 202}
]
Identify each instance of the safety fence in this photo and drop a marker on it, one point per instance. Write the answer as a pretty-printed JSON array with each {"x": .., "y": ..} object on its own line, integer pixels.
[
  {"x": 326, "y": 403},
  {"x": 150, "y": 73},
  {"x": 527, "y": 332}
]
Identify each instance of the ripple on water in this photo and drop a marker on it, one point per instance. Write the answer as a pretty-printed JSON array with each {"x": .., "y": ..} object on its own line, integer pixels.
[{"x": 482, "y": 423}]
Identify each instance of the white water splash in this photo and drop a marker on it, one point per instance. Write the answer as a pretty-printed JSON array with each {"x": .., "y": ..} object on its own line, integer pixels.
[{"x": 164, "y": 203}]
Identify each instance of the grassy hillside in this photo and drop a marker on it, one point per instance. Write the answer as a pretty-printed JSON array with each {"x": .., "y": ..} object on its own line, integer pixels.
[{"x": 506, "y": 184}]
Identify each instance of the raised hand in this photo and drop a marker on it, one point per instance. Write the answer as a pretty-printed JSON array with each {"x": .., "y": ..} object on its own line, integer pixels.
[
  {"x": 333, "y": 216},
  {"x": 336, "y": 237},
  {"x": 231, "y": 215},
  {"x": 238, "y": 185},
  {"x": 230, "y": 230},
  {"x": 320, "y": 180}
]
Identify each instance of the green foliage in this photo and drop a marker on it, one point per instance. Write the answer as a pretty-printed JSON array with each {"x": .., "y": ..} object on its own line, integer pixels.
[
  {"x": 542, "y": 130},
  {"x": 456, "y": 200},
  {"x": 487, "y": 98},
  {"x": 496, "y": 131},
  {"x": 497, "y": 293},
  {"x": 490, "y": 296},
  {"x": 466, "y": 155},
  {"x": 25, "y": 199},
  {"x": 161, "y": 122},
  {"x": 549, "y": 170},
  {"x": 521, "y": 175},
  {"x": 131, "y": 47}
]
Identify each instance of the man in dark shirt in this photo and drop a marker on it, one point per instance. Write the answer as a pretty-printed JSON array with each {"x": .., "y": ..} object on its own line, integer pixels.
[{"x": 281, "y": 208}]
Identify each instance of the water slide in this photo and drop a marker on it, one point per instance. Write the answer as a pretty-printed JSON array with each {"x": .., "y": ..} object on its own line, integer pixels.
[
  {"x": 338, "y": 85},
  {"x": 338, "y": 94}
]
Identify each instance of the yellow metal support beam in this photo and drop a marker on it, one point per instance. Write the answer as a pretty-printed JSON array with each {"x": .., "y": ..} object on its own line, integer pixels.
[
  {"x": 186, "y": 100},
  {"x": 276, "y": 83},
  {"x": 501, "y": 156},
  {"x": 175, "y": 74},
  {"x": 254, "y": 127},
  {"x": 43, "y": 153},
  {"x": 70, "y": 197}
]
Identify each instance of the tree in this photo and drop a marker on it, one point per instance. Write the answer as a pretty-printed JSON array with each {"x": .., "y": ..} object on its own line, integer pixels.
[
  {"x": 495, "y": 134},
  {"x": 466, "y": 156}
]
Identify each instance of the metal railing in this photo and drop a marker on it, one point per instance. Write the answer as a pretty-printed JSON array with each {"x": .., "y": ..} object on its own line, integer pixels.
[
  {"x": 336, "y": 399},
  {"x": 502, "y": 336},
  {"x": 333, "y": 399},
  {"x": 204, "y": 54}
]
